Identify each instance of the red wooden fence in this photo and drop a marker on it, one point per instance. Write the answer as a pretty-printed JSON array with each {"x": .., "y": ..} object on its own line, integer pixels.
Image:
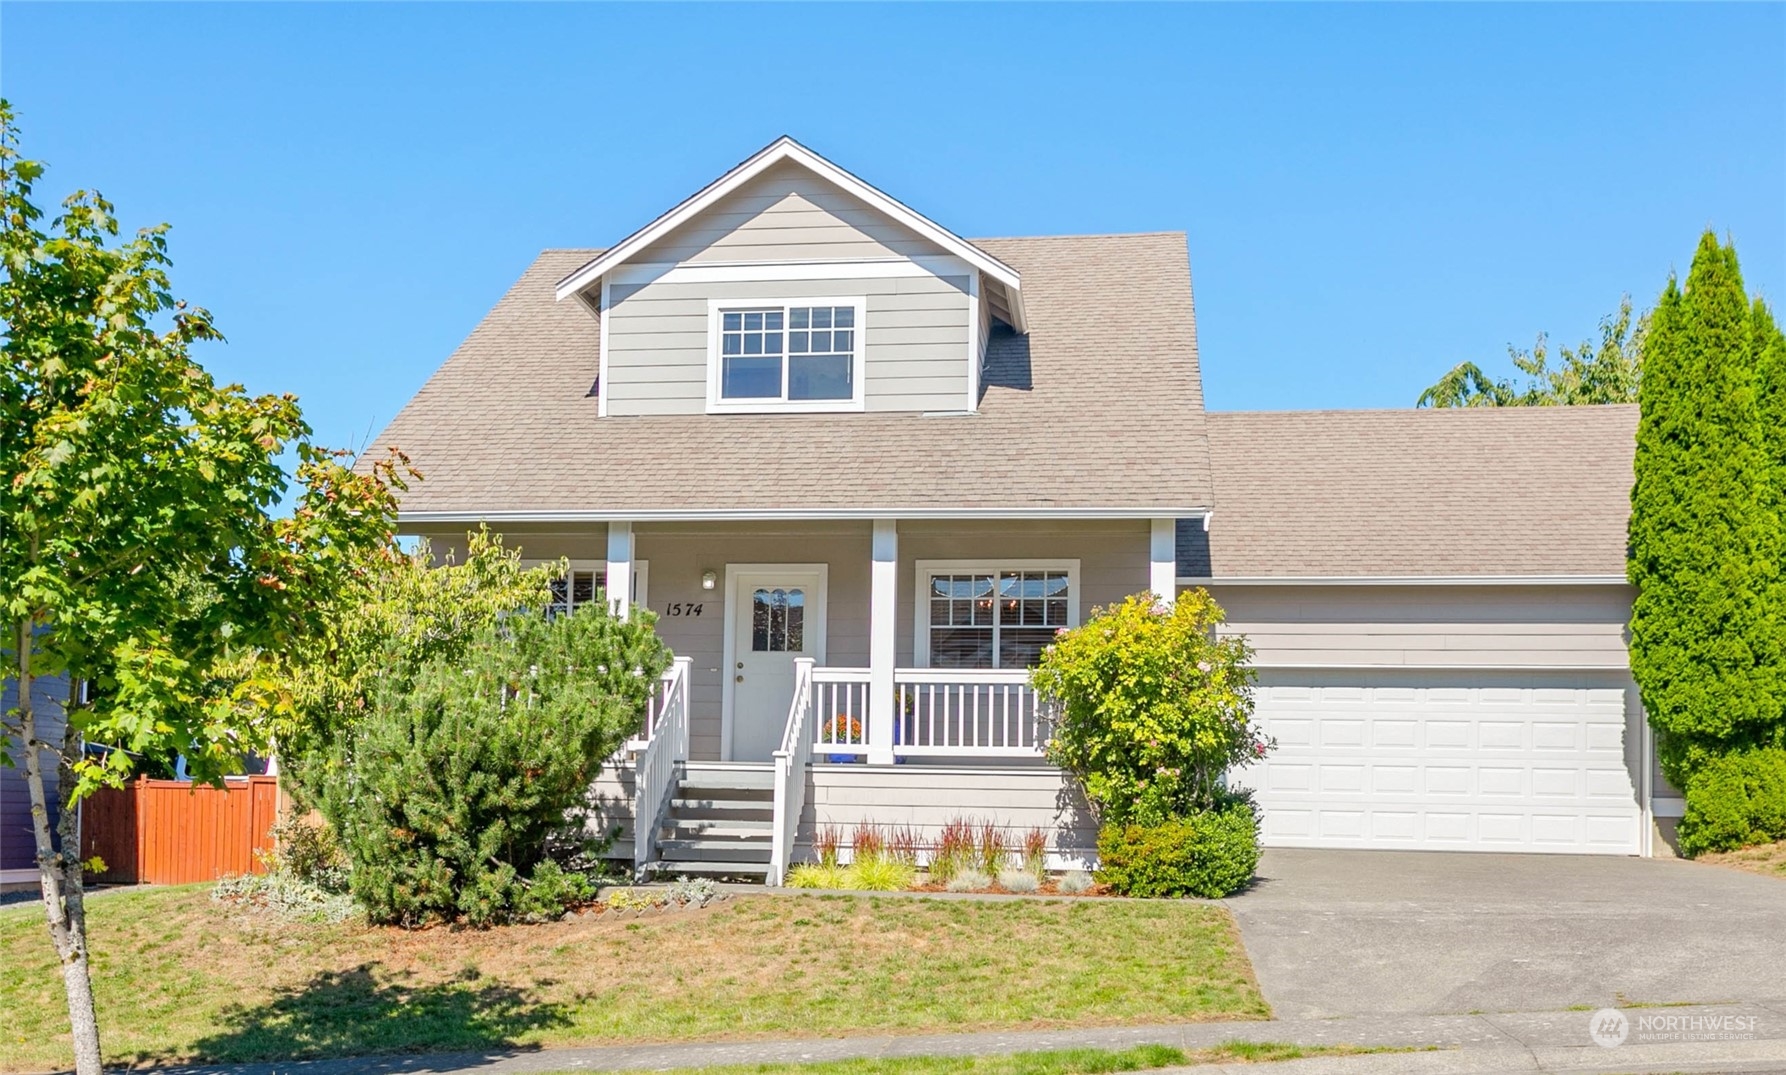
[{"x": 171, "y": 832}]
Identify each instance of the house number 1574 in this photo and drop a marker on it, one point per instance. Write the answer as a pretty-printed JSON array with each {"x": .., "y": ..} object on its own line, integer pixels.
[{"x": 683, "y": 608}]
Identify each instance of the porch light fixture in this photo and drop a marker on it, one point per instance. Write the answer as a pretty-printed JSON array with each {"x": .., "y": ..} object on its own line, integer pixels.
[{"x": 708, "y": 580}]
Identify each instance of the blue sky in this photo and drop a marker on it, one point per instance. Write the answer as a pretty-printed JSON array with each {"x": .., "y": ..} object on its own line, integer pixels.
[{"x": 1371, "y": 193}]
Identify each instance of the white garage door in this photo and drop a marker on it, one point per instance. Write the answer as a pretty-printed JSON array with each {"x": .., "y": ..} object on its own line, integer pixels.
[{"x": 1444, "y": 761}]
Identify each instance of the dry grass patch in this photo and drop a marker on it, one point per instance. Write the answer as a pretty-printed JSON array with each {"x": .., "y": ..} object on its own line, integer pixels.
[
  {"x": 1769, "y": 860},
  {"x": 181, "y": 978}
]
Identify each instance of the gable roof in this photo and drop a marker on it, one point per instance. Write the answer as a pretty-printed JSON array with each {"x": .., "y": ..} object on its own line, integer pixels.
[
  {"x": 1097, "y": 411},
  {"x": 1527, "y": 492},
  {"x": 786, "y": 149}
]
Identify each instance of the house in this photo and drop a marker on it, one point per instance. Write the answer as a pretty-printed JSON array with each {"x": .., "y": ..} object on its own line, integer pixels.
[
  {"x": 862, "y": 469},
  {"x": 18, "y": 845}
]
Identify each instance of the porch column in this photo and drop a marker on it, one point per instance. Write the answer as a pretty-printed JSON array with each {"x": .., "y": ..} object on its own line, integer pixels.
[
  {"x": 620, "y": 569},
  {"x": 1162, "y": 577},
  {"x": 881, "y": 626}
]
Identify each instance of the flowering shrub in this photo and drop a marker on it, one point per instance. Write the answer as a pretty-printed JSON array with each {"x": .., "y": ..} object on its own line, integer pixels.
[{"x": 1151, "y": 707}]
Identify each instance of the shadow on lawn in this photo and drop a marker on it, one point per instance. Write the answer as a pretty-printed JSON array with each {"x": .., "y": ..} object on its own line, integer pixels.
[{"x": 365, "y": 1012}]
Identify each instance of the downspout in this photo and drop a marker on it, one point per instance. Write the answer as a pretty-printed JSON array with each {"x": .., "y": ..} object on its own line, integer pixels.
[{"x": 1648, "y": 843}]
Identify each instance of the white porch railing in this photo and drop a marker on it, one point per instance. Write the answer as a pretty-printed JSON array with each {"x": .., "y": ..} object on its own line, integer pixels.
[
  {"x": 665, "y": 746},
  {"x": 790, "y": 771},
  {"x": 938, "y": 713},
  {"x": 840, "y": 710},
  {"x": 967, "y": 713}
]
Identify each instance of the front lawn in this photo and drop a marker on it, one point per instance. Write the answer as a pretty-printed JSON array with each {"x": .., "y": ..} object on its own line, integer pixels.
[{"x": 179, "y": 977}]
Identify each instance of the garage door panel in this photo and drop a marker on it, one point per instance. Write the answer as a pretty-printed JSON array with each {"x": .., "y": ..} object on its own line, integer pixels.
[{"x": 1489, "y": 767}]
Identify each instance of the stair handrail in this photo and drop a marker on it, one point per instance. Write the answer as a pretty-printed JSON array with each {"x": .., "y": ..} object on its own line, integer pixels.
[
  {"x": 654, "y": 773},
  {"x": 791, "y": 762}
]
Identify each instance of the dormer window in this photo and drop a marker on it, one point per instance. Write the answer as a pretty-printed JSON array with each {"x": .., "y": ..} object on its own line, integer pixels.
[{"x": 785, "y": 355}]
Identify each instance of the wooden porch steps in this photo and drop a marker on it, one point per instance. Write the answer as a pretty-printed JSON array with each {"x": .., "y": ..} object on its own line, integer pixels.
[{"x": 720, "y": 823}]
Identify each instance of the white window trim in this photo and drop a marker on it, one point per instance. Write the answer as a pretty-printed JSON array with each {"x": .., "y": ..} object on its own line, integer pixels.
[
  {"x": 641, "y": 574},
  {"x": 858, "y": 374},
  {"x": 924, "y": 569}
]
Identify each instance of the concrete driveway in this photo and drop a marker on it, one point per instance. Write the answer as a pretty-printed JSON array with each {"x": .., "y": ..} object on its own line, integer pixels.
[{"x": 1378, "y": 932}]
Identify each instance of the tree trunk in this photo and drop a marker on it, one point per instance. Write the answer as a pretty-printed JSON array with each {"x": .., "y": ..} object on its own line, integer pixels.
[{"x": 60, "y": 871}]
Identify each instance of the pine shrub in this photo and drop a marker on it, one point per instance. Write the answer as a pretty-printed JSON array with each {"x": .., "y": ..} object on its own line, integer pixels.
[{"x": 449, "y": 792}]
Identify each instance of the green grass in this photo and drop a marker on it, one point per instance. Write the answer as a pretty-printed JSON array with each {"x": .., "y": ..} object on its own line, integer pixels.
[
  {"x": 1053, "y": 1062},
  {"x": 179, "y": 978}
]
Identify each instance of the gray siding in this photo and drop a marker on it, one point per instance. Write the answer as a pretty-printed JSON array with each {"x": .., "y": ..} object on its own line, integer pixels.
[
  {"x": 1431, "y": 626},
  {"x": 1015, "y": 798},
  {"x": 915, "y": 335},
  {"x": 787, "y": 214},
  {"x": 18, "y": 849}
]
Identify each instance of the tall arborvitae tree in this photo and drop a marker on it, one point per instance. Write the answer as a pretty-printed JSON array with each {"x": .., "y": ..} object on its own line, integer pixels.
[{"x": 1708, "y": 631}]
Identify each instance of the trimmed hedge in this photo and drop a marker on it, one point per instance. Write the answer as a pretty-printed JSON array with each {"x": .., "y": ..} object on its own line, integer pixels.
[
  {"x": 1210, "y": 854},
  {"x": 1734, "y": 801}
]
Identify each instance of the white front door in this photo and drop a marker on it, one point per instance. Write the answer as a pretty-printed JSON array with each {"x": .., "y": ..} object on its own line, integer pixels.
[{"x": 778, "y": 614}]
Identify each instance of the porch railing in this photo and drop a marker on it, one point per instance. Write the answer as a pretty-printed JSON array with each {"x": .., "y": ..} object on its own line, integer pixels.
[
  {"x": 938, "y": 712},
  {"x": 840, "y": 710},
  {"x": 790, "y": 771},
  {"x": 665, "y": 746},
  {"x": 667, "y": 687},
  {"x": 962, "y": 712}
]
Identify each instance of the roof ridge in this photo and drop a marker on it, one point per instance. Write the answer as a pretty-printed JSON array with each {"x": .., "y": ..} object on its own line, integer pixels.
[
  {"x": 1080, "y": 235},
  {"x": 1411, "y": 411}
]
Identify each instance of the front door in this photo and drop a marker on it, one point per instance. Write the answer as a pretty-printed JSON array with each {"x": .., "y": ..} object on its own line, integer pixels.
[{"x": 778, "y": 614}]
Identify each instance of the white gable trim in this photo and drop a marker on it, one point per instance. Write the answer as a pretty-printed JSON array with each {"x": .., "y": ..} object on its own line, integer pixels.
[
  {"x": 669, "y": 272},
  {"x": 786, "y": 149}
]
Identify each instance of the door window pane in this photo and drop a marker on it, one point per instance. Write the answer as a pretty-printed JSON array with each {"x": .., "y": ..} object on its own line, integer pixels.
[{"x": 778, "y": 621}]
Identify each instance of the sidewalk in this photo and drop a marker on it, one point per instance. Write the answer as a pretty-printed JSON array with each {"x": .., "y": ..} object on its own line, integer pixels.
[{"x": 1481, "y": 1044}]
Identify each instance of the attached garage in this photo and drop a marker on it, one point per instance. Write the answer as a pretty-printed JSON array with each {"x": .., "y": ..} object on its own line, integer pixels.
[
  {"x": 1436, "y": 601},
  {"x": 1447, "y": 761}
]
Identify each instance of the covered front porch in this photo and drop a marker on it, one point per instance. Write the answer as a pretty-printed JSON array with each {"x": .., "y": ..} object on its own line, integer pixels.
[{"x": 852, "y": 646}]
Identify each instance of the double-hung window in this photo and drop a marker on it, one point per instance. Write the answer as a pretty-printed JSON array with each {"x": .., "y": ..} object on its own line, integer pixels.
[
  {"x": 991, "y": 616},
  {"x": 800, "y": 354}
]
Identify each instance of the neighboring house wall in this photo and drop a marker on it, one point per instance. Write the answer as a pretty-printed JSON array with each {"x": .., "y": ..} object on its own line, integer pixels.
[
  {"x": 18, "y": 848},
  {"x": 915, "y": 338},
  {"x": 787, "y": 214}
]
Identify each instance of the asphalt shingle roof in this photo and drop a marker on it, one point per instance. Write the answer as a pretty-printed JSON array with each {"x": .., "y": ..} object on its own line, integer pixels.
[
  {"x": 1516, "y": 491},
  {"x": 1099, "y": 406}
]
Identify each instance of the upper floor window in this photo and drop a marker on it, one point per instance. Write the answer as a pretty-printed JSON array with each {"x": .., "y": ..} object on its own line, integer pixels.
[{"x": 780, "y": 355}]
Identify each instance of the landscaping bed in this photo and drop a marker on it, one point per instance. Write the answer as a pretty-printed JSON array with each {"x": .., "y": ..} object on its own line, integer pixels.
[
  {"x": 1768, "y": 860},
  {"x": 182, "y": 978}
]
